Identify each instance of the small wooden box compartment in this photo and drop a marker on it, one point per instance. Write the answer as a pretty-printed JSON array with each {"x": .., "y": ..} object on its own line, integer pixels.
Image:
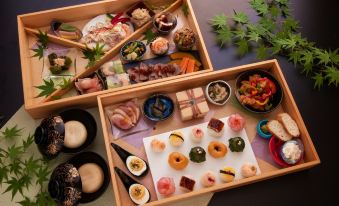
[
  {"x": 268, "y": 170},
  {"x": 30, "y": 24}
]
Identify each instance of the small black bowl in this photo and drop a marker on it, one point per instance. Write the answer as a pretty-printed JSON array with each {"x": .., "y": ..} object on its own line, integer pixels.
[
  {"x": 275, "y": 99},
  {"x": 90, "y": 157},
  {"x": 87, "y": 120},
  {"x": 164, "y": 100}
]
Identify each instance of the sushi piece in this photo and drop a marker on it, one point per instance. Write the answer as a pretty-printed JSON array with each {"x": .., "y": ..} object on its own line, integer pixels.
[
  {"x": 215, "y": 127},
  {"x": 89, "y": 84},
  {"x": 227, "y": 174},
  {"x": 187, "y": 183},
  {"x": 135, "y": 165},
  {"x": 159, "y": 46},
  {"x": 197, "y": 155},
  {"x": 138, "y": 193},
  {"x": 166, "y": 186},
  {"x": 236, "y": 144},
  {"x": 158, "y": 145},
  {"x": 248, "y": 170},
  {"x": 236, "y": 122},
  {"x": 197, "y": 134},
  {"x": 208, "y": 179},
  {"x": 176, "y": 139}
]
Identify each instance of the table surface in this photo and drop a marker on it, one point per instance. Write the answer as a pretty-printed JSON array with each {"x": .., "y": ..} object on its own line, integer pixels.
[{"x": 319, "y": 109}]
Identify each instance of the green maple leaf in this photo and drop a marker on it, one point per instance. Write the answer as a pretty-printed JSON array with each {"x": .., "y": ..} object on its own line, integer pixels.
[
  {"x": 66, "y": 83},
  {"x": 240, "y": 17},
  {"x": 185, "y": 9},
  {"x": 332, "y": 75},
  {"x": 307, "y": 57},
  {"x": 14, "y": 152},
  {"x": 239, "y": 34},
  {"x": 26, "y": 181},
  {"x": 323, "y": 56},
  {"x": 282, "y": 2},
  {"x": 15, "y": 167},
  {"x": 31, "y": 165},
  {"x": 274, "y": 11},
  {"x": 242, "y": 47},
  {"x": 42, "y": 175},
  {"x": 267, "y": 24},
  {"x": 318, "y": 81},
  {"x": 39, "y": 52},
  {"x": 224, "y": 35},
  {"x": 12, "y": 132},
  {"x": 307, "y": 68},
  {"x": 218, "y": 21},
  {"x": 93, "y": 55},
  {"x": 4, "y": 171},
  {"x": 43, "y": 199},
  {"x": 290, "y": 24},
  {"x": 276, "y": 48},
  {"x": 150, "y": 35},
  {"x": 287, "y": 43},
  {"x": 253, "y": 36},
  {"x": 26, "y": 202},
  {"x": 262, "y": 52},
  {"x": 42, "y": 39},
  {"x": 334, "y": 56},
  {"x": 285, "y": 11},
  {"x": 15, "y": 185},
  {"x": 294, "y": 56},
  {"x": 46, "y": 89},
  {"x": 28, "y": 142},
  {"x": 260, "y": 6}
]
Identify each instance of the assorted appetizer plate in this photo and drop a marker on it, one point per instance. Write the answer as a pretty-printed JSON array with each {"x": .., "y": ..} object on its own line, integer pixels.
[
  {"x": 132, "y": 32},
  {"x": 160, "y": 167}
]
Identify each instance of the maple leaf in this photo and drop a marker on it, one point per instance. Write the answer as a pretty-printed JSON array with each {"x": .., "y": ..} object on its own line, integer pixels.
[
  {"x": 260, "y": 6},
  {"x": 307, "y": 68},
  {"x": 253, "y": 36},
  {"x": 240, "y": 17},
  {"x": 31, "y": 165},
  {"x": 224, "y": 35},
  {"x": 185, "y": 9},
  {"x": 44, "y": 198},
  {"x": 15, "y": 185},
  {"x": 334, "y": 56},
  {"x": 149, "y": 35},
  {"x": 39, "y": 52},
  {"x": 318, "y": 81},
  {"x": 26, "y": 181},
  {"x": 287, "y": 43},
  {"x": 12, "y": 132},
  {"x": 28, "y": 142},
  {"x": 267, "y": 24},
  {"x": 4, "y": 171},
  {"x": 323, "y": 56},
  {"x": 42, "y": 174},
  {"x": 15, "y": 167},
  {"x": 242, "y": 47},
  {"x": 26, "y": 202},
  {"x": 282, "y": 2},
  {"x": 294, "y": 56},
  {"x": 218, "y": 21},
  {"x": 14, "y": 152},
  {"x": 46, "y": 89},
  {"x": 262, "y": 52},
  {"x": 290, "y": 24},
  {"x": 93, "y": 55},
  {"x": 332, "y": 76},
  {"x": 239, "y": 34},
  {"x": 274, "y": 11},
  {"x": 42, "y": 39},
  {"x": 66, "y": 83}
]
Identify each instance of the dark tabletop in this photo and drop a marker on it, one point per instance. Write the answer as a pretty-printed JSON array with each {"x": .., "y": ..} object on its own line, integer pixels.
[{"x": 319, "y": 109}]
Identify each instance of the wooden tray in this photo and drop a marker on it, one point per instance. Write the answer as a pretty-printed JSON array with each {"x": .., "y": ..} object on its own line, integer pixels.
[
  {"x": 268, "y": 170},
  {"x": 30, "y": 24}
]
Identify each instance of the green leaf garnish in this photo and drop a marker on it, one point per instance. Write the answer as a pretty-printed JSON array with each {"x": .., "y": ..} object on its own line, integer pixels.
[
  {"x": 93, "y": 55},
  {"x": 47, "y": 88},
  {"x": 149, "y": 35},
  {"x": 224, "y": 35},
  {"x": 42, "y": 175},
  {"x": 240, "y": 17},
  {"x": 15, "y": 185},
  {"x": 185, "y": 9},
  {"x": 12, "y": 132},
  {"x": 318, "y": 81},
  {"x": 219, "y": 21}
]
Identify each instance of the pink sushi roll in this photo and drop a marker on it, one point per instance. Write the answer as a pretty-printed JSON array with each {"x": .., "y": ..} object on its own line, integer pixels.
[
  {"x": 166, "y": 186},
  {"x": 236, "y": 122}
]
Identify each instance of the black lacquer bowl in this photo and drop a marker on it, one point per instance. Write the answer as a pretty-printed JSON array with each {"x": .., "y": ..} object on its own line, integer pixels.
[
  {"x": 87, "y": 120},
  {"x": 91, "y": 157},
  {"x": 276, "y": 98},
  {"x": 158, "y": 107}
]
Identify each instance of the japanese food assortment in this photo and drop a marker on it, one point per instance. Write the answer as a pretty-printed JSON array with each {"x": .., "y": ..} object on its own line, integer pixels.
[
  {"x": 211, "y": 151},
  {"x": 167, "y": 49}
]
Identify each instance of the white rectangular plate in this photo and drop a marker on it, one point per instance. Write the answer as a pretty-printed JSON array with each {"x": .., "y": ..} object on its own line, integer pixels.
[{"x": 158, "y": 162}]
